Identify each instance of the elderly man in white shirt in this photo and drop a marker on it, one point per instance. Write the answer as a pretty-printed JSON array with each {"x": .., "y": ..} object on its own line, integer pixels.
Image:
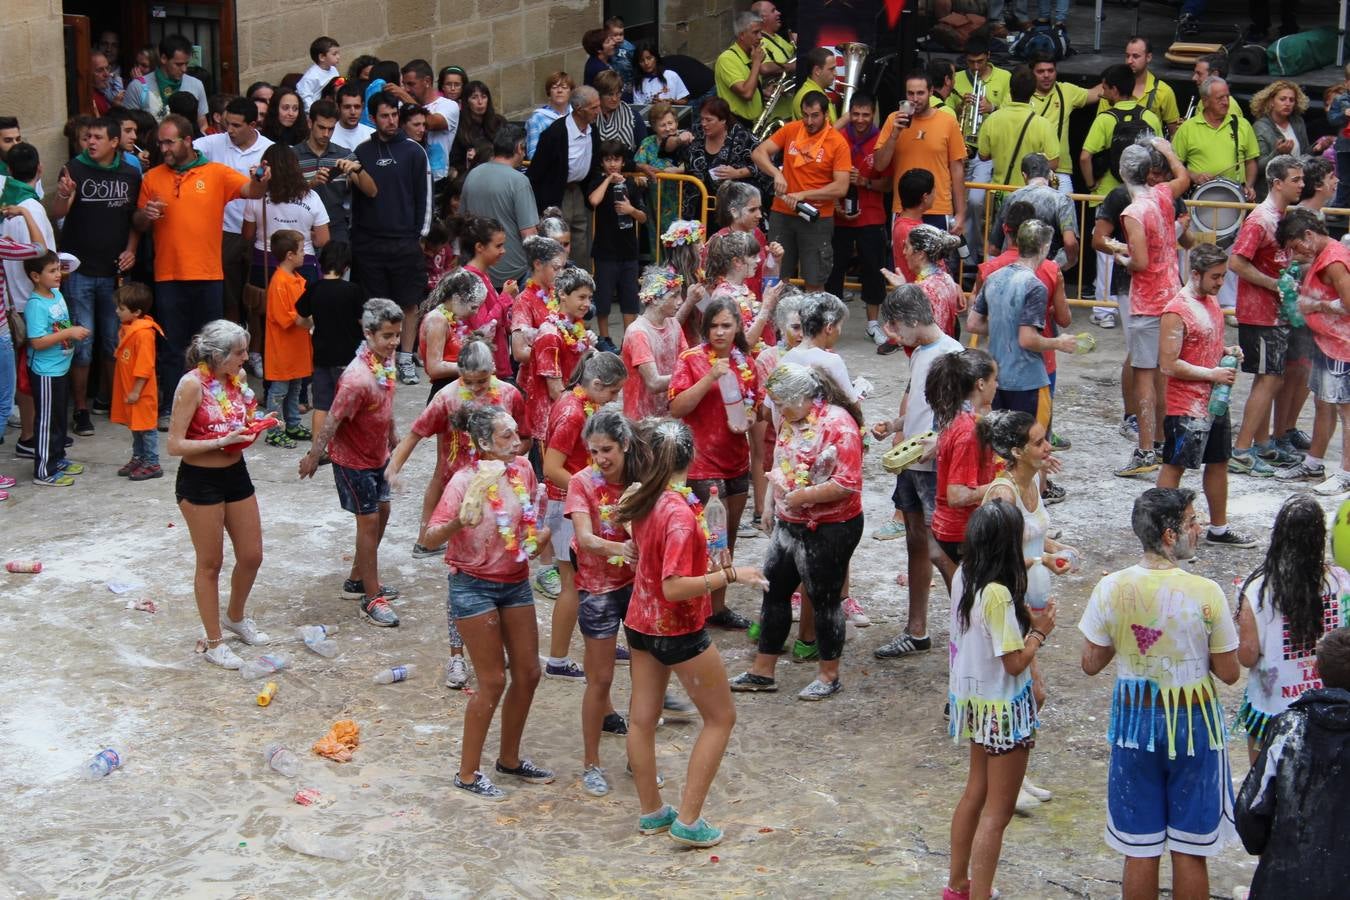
[{"x": 566, "y": 164}]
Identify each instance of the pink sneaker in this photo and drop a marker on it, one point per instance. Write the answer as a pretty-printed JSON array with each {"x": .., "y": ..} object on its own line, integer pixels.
[
  {"x": 7, "y": 482},
  {"x": 4, "y": 495},
  {"x": 853, "y": 611},
  {"x": 796, "y": 607}
]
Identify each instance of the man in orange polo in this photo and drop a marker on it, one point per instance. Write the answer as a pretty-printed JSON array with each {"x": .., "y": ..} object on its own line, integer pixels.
[
  {"x": 183, "y": 200},
  {"x": 816, "y": 163}
]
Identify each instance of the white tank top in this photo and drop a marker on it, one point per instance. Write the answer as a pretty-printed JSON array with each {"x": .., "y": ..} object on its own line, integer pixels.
[{"x": 1035, "y": 526}]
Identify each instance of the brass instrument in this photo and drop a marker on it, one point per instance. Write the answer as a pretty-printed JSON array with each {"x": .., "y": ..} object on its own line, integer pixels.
[
  {"x": 971, "y": 117},
  {"x": 1190, "y": 110},
  {"x": 766, "y": 124},
  {"x": 855, "y": 55}
]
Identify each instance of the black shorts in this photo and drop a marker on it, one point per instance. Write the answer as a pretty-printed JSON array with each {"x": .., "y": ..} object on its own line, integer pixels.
[
  {"x": 207, "y": 486},
  {"x": 669, "y": 651},
  {"x": 390, "y": 267},
  {"x": 437, "y": 385},
  {"x": 726, "y": 487},
  {"x": 1264, "y": 348},
  {"x": 323, "y": 386},
  {"x": 361, "y": 491},
  {"x": 1187, "y": 443},
  {"x": 951, "y": 548}
]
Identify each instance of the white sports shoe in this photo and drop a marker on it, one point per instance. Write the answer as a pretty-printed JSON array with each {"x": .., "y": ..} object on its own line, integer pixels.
[
  {"x": 1338, "y": 483},
  {"x": 1039, "y": 793},
  {"x": 1026, "y": 803},
  {"x": 221, "y": 655},
  {"x": 246, "y": 630},
  {"x": 456, "y": 673},
  {"x": 1105, "y": 318},
  {"x": 876, "y": 334}
]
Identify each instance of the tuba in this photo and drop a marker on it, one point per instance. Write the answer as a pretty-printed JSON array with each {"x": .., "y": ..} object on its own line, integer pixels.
[
  {"x": 766, "y": 124},
  {"x": 855, "y": 55},
  {"x": 971, "y": 118}
]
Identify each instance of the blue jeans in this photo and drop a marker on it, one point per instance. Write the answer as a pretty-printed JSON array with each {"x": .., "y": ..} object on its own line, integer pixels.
[
  {"x": 145, "y": 446},
  {"x": 92, "y": 305},
  {"x": 284, "y": 397},
  {"x": 181, "y": 309},
  {"x": 7, "y": 376},
  {"x": 1343, "y": 173}
]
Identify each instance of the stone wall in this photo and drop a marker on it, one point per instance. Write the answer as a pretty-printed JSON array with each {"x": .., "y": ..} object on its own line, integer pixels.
[
  {"x": 511, "y": 45},
  {"x": 33, "y": 76}
]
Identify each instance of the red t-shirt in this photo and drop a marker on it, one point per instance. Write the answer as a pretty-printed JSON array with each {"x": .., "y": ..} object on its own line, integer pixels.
[
  {"x": 718, "y": 451},
  {"x": 961, "y": 459},
  {"x": 644, "y": 343},
  {"x": 1256, "y": 242},
  {"x": 871, "y": 204},
  {"x": 1201, "y": 345},
  {"x": 1331, "y": 331},
  {"x": 944, "y": 296},
  {"x": 453, "y": 446},
  {"x": 565, "y": 423},
  {"x": 530, "y": 308},
  {"x": 366, "y": 409},
  {"x": 1048, "y": 273},
  {"x": 496, "y": 308},
  {"x": 1151, "y": 288},
  {"x": 799, "y": 446},
  {"x": 589, "y": 493},
  {"x": 551, "y": 357},
  {"x": 899, "y": 233},
  {"x": 754, "y": 283},
  {"x": 481, "y": 551},
  {"x": 749, "y": 305},
  {"x": 670, "y": 544}
]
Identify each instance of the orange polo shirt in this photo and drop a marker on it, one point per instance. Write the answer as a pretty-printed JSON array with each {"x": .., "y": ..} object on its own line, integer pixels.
[
  {"x": 810, "y": 161},
  {"x": 187, "y": 236},
  {"x": 288, "y": 352},
  {"x": 135, "y": 358}
]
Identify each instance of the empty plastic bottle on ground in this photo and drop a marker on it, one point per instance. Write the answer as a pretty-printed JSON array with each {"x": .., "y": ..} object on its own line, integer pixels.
[
  {"x": 397, "y": 673},
  {"x": 715, "y": 517},
  {"x": 263, "y": 665},
  {"x": 107, "y": 759},
  {"x": 321, "y": 845},
  {"x": 281, "y": 759},
  {"x": 316, "y": 638}
]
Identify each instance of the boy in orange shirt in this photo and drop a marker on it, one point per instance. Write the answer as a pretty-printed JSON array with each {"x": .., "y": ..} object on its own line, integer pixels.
[
  {"x": 288, "y": 356},
  {"x": 135, "y": 389}
]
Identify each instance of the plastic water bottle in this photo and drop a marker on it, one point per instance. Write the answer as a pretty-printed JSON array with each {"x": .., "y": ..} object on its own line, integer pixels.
[
  {"x": 281, "y": 759},
  {"x": 320, "y": 845},
  {"x": 824, "y": 466},
  {"x": 107, "y": 759},
  {"x": 397, "y": 673},
  {"x": 768, "y": 273},
  {"x": 732, "y": 401},
  {"x": 316, "y": 639},
  {"x": 1218, "y": 397},
  {"x": 715, "y": 517},
  {"x": 263, "y": 665}
]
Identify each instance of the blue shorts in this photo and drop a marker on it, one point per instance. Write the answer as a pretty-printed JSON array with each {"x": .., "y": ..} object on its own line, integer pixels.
[
  {"x": 470, "y": 596},
  {"x": 361, "y": 491},
  {"x": 916, "y": 491},
  {"x": 1182, "y": 805},
  {"x": 600, "y": 615}
]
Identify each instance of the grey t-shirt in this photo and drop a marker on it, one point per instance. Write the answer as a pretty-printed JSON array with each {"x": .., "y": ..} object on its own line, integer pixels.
[
  {"x": 495, "y": 189},
  {"x": 141, "y": 94}
]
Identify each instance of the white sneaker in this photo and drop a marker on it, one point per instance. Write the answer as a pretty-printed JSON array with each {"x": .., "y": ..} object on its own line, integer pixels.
[
  {"x": 1026, "y": 803},
  {"x": 1105, "y": 318},
  {"x": 854, "y": 614},
  {"x": 875, "y": 333},
  {"x": 223, "y": 656},
  {"x": 1338, "y": 483},
  {"x": 456, "y": 673},
  {"x": 1039, "y": 793},
  {"x": 246, "y": 630}
]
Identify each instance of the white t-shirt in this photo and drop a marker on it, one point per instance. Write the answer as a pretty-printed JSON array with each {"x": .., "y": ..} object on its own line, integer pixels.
[
  {"x": 312, "y": 83},
  {"x": 219, "y": 148},
  {"x": 17, "y": 283},
  {"x": 918, "y": 414},
  {"x": 352, "y": 137},
  {"x": 439, "y": 142},
  {"x": 301, "y": 217},
  {"x": 829, "y": 362},
  {"x": 650, "y": 89},
  {"x": 988, "y": 706}
]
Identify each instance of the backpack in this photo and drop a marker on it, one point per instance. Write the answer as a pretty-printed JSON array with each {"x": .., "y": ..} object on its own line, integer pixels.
[
  {"x": 1130, "y": 127},
  {"x": 1041, "y": 39}
]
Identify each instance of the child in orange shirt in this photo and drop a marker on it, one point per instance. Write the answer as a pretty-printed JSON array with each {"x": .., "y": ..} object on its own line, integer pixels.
[
  {"x": 135, "y": 389},
  {"x": 288, "y": 356}
]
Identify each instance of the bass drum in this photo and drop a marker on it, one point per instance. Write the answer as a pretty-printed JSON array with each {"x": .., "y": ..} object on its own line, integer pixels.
[{"x": 1222, "y": 222}]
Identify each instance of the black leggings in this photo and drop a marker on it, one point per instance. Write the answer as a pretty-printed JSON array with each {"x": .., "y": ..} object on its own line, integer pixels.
[{"x": 818, "y": 561}]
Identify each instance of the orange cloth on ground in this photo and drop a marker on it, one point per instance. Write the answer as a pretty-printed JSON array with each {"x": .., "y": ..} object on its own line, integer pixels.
[
  {"x": 340, "y": 741},
  {"x": 809, "y": 162},
  {"x": 188, "y": 236},
  {"x": 288, "y": 352},
  {"x": 135, "y": 358}
]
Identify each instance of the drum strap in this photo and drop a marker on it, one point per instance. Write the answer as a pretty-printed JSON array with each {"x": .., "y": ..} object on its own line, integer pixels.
[{"x": 1237, "y": 150}]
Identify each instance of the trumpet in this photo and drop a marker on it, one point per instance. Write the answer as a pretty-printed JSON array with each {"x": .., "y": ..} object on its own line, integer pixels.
[
  {"x": 1190, "y": 110},
  {"x": 971, "y": 117},
  {"x": 766, "y": 124}
]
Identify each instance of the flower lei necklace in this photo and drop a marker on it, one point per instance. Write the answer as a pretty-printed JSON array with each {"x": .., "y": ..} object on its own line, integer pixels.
[
  {"x": 688, "y": 494},
  {"x": 383, "y": 370},
  {"x": 741, "y": 365},
  {"x": 587, "y": 404},
  {"x": 795, "y": 442},
  {"x": 458, "y": 328},
  {"x": 493, "y": 395},
  {"x": 574, "y": 334},
  {"x": 750, "y": 306},
  {"x": 524, "y": 539},
  {"x": 237, "y": 411},
  {"x": 608, "y": 529}
]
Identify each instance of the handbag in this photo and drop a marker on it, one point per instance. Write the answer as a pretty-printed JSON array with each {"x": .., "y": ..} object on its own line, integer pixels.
[{"x": 18, "y": 326}]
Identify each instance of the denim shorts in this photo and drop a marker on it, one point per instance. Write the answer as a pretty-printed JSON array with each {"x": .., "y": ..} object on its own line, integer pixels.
[
  {"x": 669, "y": 650},
  {"x": 600, "y": 615},
  {"x": 1329, "y": 379},
  {"x": 916, "y": 491},
  {"x": 361, "y": 491},
  {"x": 470, "y": 596}
]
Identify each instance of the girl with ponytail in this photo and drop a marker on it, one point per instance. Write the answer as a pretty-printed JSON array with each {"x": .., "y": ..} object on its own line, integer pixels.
[{"x": 959, "y": 388}]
